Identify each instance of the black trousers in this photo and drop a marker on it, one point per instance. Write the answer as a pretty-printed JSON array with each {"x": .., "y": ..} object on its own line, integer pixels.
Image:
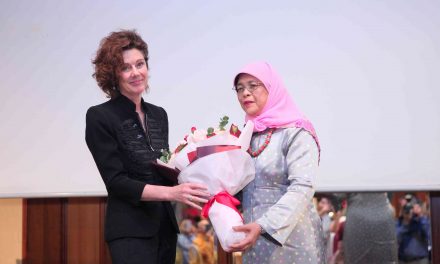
[{"x": 159, "y": 249}]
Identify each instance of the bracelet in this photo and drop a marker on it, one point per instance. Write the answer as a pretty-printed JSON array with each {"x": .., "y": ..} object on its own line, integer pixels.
[{"x": 262, "y": 231}]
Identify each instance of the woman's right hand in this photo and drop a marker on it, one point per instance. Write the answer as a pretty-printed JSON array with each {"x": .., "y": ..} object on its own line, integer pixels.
[
  {"x": 188, "y": 193},
  {"x": 192, "y": 194}
]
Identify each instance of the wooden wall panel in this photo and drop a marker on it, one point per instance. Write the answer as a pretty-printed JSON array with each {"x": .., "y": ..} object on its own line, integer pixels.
[
  {"x": 11, "y": 231},
  {"x": 65, "y": 231},
  {"x": 104, "y": 257},
  {"x": 45, "y": 233},
  {"x": 82, "y": 224},
  {"x": 223, "y": 257}
]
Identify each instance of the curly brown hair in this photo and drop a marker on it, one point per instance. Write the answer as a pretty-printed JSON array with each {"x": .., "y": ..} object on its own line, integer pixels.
[{"x": 109, "y": 59}]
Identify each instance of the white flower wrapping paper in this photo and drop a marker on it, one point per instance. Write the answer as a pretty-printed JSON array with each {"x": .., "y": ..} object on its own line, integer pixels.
[{"x": 223, "y": 170}]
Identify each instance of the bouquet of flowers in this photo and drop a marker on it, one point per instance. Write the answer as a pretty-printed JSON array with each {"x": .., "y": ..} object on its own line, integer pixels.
[{"x": 218, "y": 159}]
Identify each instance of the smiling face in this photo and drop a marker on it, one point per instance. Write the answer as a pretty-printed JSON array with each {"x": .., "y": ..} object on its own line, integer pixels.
[
  {"x": 251, "y": 93},
  {"x": 133, "y": 74}
]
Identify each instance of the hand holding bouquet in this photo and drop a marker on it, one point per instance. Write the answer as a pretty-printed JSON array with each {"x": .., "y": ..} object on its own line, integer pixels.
[{"x": 218, "y": 159}]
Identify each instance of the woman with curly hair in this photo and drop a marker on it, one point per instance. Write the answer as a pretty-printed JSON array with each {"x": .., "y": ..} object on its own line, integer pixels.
[{"x": 124, "y": 135}]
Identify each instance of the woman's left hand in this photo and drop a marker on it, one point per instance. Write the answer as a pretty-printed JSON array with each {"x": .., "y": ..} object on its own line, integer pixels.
[{"x": 252, "y": 231}]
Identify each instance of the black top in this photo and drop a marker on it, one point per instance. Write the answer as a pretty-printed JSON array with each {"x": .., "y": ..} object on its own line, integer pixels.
[{"x": 123, "y": 152}]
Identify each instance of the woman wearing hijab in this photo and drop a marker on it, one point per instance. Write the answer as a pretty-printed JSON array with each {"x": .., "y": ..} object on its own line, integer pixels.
[{"x": 283, "y": 225}]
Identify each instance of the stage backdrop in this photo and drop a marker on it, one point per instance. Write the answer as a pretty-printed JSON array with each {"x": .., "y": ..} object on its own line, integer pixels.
[{"x": 365, "y": 72}]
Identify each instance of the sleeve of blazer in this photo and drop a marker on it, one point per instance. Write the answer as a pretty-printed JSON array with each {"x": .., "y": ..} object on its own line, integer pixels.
[{"x": 100, "y": 138}]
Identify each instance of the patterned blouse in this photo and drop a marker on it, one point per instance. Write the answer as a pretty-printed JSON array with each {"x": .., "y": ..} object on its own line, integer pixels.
[{"x": 280, "y": 200}]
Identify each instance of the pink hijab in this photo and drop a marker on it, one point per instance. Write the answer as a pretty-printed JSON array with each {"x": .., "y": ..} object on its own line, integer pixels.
[{"x": 280, "y": 110}]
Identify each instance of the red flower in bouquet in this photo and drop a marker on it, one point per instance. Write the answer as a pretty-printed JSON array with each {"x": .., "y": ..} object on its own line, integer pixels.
[{"x": 198, "y": 135}]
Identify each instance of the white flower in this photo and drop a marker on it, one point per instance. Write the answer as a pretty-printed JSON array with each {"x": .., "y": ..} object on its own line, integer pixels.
[
  {"x": 197, "y": 136},
  {"x": 219, "y": 132}
]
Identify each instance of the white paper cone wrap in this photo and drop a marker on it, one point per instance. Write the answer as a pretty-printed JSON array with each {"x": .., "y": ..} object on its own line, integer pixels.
[
  {"x": 227, "y": 171},
  {"x": 223, "y": 218},
  {"x": 181, "y": 161}
]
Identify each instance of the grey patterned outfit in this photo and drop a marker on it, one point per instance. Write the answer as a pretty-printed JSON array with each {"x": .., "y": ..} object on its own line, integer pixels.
[
  {"x": 280, "y": 200},
  {"x": 369, "y": 231}
]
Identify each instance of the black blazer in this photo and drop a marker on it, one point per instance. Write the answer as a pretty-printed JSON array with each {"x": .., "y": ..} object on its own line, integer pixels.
[{"x": 122, "y": 151}]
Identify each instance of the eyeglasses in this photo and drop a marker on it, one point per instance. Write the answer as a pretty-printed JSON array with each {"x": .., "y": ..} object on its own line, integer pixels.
[{"x": 251, "y": 86}]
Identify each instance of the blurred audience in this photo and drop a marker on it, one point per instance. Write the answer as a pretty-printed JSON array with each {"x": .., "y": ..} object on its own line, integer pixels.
[
  {"x": 196, "y": 245},
  {"x": 337, "y": 254},
  {"x": 413, "y": 231},
  {"x": 331, "y": 209},
  {"x": 204, "y": 244},
  {"x": 185, "y": 242},
  {"x": 325, "y": 208}
]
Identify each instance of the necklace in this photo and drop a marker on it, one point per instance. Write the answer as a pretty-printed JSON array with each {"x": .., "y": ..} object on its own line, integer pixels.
[{"x": 263, "y": 147}]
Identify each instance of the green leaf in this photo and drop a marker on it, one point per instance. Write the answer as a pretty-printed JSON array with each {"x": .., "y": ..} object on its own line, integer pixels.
[
  {"x": 166, "y": 155},
  {"x": 223, "y": 122}
]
